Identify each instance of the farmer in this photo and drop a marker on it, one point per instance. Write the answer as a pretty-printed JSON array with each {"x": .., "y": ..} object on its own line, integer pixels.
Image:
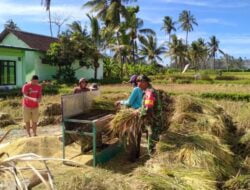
[
  {"x": 150, "y": 111},
  {"x": 82, "y": 86},
  {"x": 135, "y": 98},
  {"x": 32, "y": 93},
  {"x": 151, "y": 115}
]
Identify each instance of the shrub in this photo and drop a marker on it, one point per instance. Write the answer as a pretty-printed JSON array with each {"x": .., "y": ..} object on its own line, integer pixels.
[
  {"x": 233, "y": 97},
  {"x": 206, "y": 77},
  {"x": 226, "y": 78}
]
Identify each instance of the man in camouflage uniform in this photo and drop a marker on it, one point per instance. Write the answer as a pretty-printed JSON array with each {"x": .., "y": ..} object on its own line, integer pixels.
[{"x": 151, "y": 111}]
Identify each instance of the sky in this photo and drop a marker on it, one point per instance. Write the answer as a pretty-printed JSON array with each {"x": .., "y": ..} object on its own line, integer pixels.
[{"x": 228, "y": 20}]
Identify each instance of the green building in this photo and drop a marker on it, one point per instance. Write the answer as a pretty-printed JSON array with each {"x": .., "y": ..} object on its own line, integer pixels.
[{"x": 21, "y": 56}]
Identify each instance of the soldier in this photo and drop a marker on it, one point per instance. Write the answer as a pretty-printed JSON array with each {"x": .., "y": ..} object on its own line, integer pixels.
[{"x": 151, "y": 111}]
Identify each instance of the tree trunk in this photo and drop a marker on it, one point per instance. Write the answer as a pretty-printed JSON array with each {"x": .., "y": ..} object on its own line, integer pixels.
[
  {"x": 50, "y": 23},
  {"x": 133, "y": 51},
  {"x": 120, "y": 55},
  {"x": 95, "y": 74},
  {"x": 187, "y": 38},
  {"x": 214, "y": 62}
]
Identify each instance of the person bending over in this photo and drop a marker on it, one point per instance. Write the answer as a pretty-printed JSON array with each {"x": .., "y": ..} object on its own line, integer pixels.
[{"x": 135, "y": 98}]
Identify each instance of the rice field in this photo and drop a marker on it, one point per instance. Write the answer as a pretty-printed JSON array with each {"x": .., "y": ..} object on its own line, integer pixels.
[{"x": 197, "y": 153}]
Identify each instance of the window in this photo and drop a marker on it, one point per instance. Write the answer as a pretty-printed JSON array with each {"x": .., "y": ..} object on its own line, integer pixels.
[{"x": 7, "y": 72}]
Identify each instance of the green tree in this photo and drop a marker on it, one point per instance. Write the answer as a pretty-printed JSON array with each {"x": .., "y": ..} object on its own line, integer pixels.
[
  {"x": 111, "y": 13},
  {"x": 96, "y": 37},
  {"x": 204, "y": 52},
  {"x": 150, "y": 50},
  {"x": 214, "y": 48},
  {"x": 196, "y": 53},
  {"x": 10, "y": 24},
  {"x": 177, "y": 52},
  {"x": 187, "y": 21},
  {"x": 76, "y": 27},
  {"x": 47, "y": 4},
  {"x": 72, "y": 47},
  {"x": 95, "y": 29},
  {"x": 168, "y": 26},
  {"x": 135, "y": 28}
]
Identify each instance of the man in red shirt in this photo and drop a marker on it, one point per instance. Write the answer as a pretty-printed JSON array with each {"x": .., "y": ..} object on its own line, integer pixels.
[{"x": 32, "y": 93}]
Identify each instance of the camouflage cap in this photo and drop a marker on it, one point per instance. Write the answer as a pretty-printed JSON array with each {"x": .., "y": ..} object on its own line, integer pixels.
[{"x": 143, "y": 78}]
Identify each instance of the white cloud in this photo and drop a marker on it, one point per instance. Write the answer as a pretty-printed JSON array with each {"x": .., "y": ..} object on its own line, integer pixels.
[
  {"x": 216, "y": 21},
  {"x": 35, "y": 12},
  {"x": 187, "y": 2},
  {"x": 211, "y": 3},
  {"x": 232, "y": 39}
]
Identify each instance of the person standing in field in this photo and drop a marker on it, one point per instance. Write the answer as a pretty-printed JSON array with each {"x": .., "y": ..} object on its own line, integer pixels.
[
  {"x": 32, "y": 94},
  {"x": 82, "y": 86},
  {"x": 135, "y": 98}
]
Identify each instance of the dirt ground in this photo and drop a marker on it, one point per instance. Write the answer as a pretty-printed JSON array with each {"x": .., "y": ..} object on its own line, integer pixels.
[{"x": 21, "y": 132}]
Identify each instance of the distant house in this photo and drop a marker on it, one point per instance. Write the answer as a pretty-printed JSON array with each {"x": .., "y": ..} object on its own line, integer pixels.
[{"x": 20, "y": 58}]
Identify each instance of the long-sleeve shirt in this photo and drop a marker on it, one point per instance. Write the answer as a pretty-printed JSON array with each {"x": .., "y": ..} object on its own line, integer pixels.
[{"x": 135, "y": 99}]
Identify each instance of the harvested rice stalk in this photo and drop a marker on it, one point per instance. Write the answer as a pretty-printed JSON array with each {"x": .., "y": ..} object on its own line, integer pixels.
[
  {"x": 126, "y": 125},
  {"x": 241, "y": 182},
  {"x": 193, "y": 115},
  {"x": 202, "y": 151},
  {"x": 10, "y": 173},
  {"x": 5, "y": 135}
]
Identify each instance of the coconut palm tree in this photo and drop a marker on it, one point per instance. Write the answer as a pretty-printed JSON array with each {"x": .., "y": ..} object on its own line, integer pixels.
[
  {"x": 134, "y": 27},
  {"x": 177, "y": 51},
  {"x": 76, "y": 27},
  {"x": 95, "y": 29},
  {"x": 150, "y": 50},
  {"x": 168, "y": 26},
  {"x": 47, "y": 4},
  {"x": 122, "y": 51},
  {"x": 205, "y": 53},
  {"x": 111, "y": 13},
  {"x": 196, "y": 53},
  {"x": 214, "y": 48},
  {"x": 96, "y": 37},
  {"x": 187, "y": 21}
]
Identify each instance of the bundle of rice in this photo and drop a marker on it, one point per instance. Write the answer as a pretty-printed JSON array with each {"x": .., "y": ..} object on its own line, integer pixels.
[
  {"x": 52, "y": 109},
  {"x": 95, "y": 179},
  {"x": 126, "y": 125},
  {"x": 195, "y": 149},
  {"x": 241, "y": 182},
  {"x": 5, "y": 120},
  {"x": 176, "y": 178},
  {"x": 193, "y": 115},
  {"x": 202, "y": 151}
]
